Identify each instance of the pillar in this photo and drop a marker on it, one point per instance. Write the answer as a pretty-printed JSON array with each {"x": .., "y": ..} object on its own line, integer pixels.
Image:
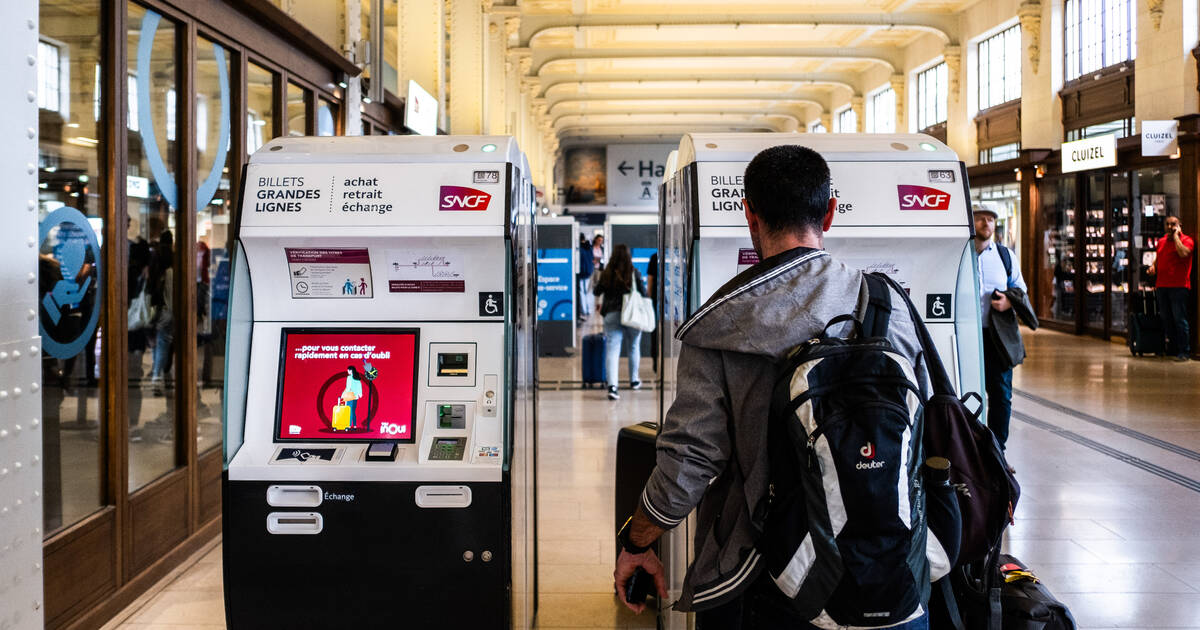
[
  {"x": 422, "y": 51},
  {"x": 898, "y": 86},
  {"x": 466, "y": 28},
  {"x": 860, "y": 113}
]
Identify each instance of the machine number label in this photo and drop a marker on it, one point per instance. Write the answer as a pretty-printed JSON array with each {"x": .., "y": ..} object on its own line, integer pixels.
[{"x": 938, "y": 306}]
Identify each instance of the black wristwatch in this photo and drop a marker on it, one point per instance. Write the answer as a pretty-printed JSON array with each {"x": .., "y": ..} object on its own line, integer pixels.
[{"x": 626, "y": 543}]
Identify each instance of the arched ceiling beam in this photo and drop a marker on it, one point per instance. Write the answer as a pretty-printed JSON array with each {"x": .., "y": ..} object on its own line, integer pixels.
[
  {"x": 888, "y": 55},
  {"x": 747, "y": 106},
  {"x": 943, "y": 25},
  {"x": 762, "y": 63},
  {"x": 714, "y": 112},
  {"x": 652, "y": 122},
  {"x": 620, "y": 90},
  {"x": 587, "y": 132},
  {"x": 847, "y": 80}
]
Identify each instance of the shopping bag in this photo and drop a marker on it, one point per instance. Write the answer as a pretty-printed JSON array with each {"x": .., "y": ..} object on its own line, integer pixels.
[
  {"x": 637, "y": 311},
  {"x": 141, "y": 313}
]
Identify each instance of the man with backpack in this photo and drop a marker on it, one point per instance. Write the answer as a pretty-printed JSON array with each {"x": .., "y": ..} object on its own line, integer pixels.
[
  {"x": 772, "y": 417},
  {"x": 1002, "y": 289}
]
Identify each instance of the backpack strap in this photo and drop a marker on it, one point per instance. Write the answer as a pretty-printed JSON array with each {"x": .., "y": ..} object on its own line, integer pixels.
[
  {"x": 1006, "y": 258},
  {"x": 879, "y": 306},
  {"x": 933, "y": 361}
]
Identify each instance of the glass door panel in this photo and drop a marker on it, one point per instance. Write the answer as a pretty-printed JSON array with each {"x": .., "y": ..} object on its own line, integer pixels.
[
  {"x": 153, "y": 213},
  {"x": 71, "y": 274},
  {"x": 1121, "y": 268},
  {"x": 1056, "y": 275},
  {"x": 1095, "y": 251},
  {"x": 214, "y": 233}
]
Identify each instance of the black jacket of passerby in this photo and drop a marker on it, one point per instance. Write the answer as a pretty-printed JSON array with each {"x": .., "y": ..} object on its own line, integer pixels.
[{"x": 1004, "y": 330}]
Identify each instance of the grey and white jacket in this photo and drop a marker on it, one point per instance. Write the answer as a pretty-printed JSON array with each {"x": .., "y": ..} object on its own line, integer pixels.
[{"x": 732, "y": 349}]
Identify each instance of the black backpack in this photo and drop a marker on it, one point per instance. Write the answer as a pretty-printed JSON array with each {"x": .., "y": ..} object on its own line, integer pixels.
[{"x": 844, "y": 529}]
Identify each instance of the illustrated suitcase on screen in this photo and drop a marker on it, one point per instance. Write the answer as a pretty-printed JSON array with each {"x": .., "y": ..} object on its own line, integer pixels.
[
  {"x": 340, "y": 418},
  {"x": 593, "y": 360}
]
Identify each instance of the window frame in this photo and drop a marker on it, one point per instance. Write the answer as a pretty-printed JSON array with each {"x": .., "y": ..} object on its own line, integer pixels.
[
  {"x": 871, "y": 124},
  {"x": 938, "y": 100},
  {"x": 1100, "y": 50},
  {"x": 840, "y": 118},
  {"x": 986, "y": 74}
]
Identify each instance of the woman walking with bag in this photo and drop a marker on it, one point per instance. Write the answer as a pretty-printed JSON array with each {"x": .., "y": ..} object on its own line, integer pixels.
[{"x": 619, "y": 279}]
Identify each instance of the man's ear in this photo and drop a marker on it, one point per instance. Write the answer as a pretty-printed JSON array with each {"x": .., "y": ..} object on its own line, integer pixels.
[
  {"x": 833, "y": 203},
  {"x": 751, "y": 218}
]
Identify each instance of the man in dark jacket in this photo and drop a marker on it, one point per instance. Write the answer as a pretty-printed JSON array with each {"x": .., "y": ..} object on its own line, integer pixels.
[
  {"x": 713, "y": 442},
  {"x": 996, "y": 279},
  {"x": 587, "y": 266}
]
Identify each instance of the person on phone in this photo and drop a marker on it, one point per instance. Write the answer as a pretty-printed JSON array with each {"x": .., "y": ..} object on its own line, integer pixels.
[
  {"x": 352, "y": 392},
  {"x": 1172, "y": 271},
  {"x": 996, "y": 277}
]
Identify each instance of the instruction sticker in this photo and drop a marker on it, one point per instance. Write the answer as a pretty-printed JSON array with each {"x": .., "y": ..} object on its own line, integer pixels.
[
  {"x": 747, "y": 258},
  {"x": 898, "y": 270},
  {"x": 423, "y": 271},
  {"x": 330, "y": 272}
]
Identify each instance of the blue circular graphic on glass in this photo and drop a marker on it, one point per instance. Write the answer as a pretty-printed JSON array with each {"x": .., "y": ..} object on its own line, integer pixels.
[{"x": 70, "y": 275}]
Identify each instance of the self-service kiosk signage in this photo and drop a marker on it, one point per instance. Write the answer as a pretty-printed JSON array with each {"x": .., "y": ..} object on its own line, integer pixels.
[
  {"x": 903, "y": 209},
  {"x": 380, "y": 404}
]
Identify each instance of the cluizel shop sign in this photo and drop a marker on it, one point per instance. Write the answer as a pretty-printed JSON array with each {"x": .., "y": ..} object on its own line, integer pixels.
[
  {"x": 1089, "y": 153},
  {"x": 1160, "y": 137}
]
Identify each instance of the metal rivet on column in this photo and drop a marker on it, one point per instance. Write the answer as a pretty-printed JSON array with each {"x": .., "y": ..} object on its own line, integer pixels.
[
  {"x": 31, "y": 242},
  {"x": 34, "y": 423},
  {"x": 33, "y": 387},
  {"x": 3, "y": 357},
  {"x": 33, "y": 350},
  {"x": 32, "y": 205},
  {"x": 31, "y": 96},
  {"x": 31, "y": 278},
  {"x": 17, "y": 428},
  {"x": 31, "y": 60},
  {"x": 16, "y": 392},
  {"x": 16, "y": 354},
  {"x": 486, "y": 556},
  {"x": 468, "y": 555},
  {"x": 30, "y": 168},
  {"x": 3, "y": 434},
  {"x": 31, "y": 24},
  {"x": 31, "y": 315},
  {"x": 31, "y": 132},
  {"x": 3, "y": 394}
]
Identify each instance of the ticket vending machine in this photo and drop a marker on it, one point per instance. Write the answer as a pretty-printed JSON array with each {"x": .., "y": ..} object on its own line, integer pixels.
[
  {"x": 380, "y": 405},
  {"x": 903, "y": 209}
]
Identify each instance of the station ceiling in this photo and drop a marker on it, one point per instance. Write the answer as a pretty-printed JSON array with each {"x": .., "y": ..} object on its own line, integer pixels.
[{"x": 651, "y": 69}]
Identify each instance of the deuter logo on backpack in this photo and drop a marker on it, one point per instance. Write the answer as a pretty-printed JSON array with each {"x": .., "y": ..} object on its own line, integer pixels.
[
  {"x": 868, "y": 451},
  {"x": 461, "y": 198},
  {"x": 922, "y": 198}
]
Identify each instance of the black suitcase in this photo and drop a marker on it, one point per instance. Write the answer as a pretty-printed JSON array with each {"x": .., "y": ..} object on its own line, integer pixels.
[
  {"x": 1146, "y": 334},
  {"x": 635, "y": 462},
  {"x": 593, "y": 360},
  {"x": 997, "y": 593}
]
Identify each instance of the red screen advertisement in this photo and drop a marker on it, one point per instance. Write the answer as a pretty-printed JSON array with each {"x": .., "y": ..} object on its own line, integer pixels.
[{"x": 356, "y": 385}]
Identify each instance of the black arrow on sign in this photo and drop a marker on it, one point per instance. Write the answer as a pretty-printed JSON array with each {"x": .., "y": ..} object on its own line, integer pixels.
[{"x": 624, "y": 167}]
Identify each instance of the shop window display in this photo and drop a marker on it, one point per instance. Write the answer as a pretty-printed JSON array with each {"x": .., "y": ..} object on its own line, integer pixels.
[{"x": 1056, "y": 300}]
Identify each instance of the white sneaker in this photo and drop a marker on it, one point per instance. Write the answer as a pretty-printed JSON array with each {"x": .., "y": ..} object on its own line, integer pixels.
[
  {"x": 612, "y": 393},
  {"x": 635, "y": 385}
]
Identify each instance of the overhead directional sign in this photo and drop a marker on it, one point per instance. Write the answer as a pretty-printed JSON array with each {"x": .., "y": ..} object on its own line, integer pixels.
[{"x": 635, "y": 172}]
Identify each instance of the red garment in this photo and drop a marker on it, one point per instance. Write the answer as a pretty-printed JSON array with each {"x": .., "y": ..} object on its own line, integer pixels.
[{"x": 1173, "y": 271}]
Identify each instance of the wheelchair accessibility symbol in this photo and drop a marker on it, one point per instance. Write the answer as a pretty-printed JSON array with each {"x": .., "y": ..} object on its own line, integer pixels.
[
  {"x": 69, "y": 312},
  {"x": 937, "y": 306},
  {"x": 491, "y": 303}
]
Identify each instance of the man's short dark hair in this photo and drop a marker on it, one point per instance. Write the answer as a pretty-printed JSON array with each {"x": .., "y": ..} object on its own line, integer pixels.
[{"x": 787, "y": 188}]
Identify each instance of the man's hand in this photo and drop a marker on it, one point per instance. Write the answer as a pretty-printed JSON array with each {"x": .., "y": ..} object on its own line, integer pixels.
[
  {"x": 627, "y": 565},
  {"x": 1151, "y": 270},
  {"x": 1000, "y": 303}
]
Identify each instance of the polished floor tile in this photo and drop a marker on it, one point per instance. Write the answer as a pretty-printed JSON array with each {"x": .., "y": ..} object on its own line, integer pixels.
[{"x": 1113, "y": 541}]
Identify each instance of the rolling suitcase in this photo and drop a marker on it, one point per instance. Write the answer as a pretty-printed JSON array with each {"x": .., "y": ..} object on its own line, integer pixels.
[
  {"x": 593, "y": 360},
  {"x": 1146, "y": 334},
  {"x": 339, "y": 420},
  {"x": 635, "y": 462}
]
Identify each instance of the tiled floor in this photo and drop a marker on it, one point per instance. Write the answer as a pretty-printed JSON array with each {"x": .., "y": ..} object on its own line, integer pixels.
[{"x": 1117, "y": 542}]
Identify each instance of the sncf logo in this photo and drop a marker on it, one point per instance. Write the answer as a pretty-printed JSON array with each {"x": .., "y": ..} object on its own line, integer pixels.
[
  {"x": 456, "y": 198},
  {"x": 922, "y": 198},
  {"x": 868, "y": 451}
]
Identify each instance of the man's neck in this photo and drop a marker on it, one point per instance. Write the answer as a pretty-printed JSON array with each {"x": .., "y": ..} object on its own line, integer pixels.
[
  {"x": 773, "y": 244},
  {"x": 981, "y": 245}
]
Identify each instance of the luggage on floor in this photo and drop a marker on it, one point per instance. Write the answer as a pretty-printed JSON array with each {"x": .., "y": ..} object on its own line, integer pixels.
[
  {"x": 339, "y": 420},
  {"x": 593, "y": 360},
  {"x": 635, "y": 462},
  {"x": 1026, "y": 603},
  {"x": 1146, "y": 334}
]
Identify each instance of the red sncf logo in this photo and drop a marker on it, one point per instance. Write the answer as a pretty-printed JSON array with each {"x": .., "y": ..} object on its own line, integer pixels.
[
  {"x": 455, "y": 198},
  {"x": 922, "y": 198}
]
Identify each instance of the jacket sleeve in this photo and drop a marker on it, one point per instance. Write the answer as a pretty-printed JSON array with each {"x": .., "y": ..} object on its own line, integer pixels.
[
  {"x": 694, "y": 446},
  {"x": 1022, "y": 307}
]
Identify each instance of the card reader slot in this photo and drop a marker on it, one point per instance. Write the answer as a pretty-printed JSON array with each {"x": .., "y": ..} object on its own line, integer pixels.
[
  {"x": 295, "y": 523},
  {"x": 443, "y": 496},
  {"x": 294, "y": 496}
]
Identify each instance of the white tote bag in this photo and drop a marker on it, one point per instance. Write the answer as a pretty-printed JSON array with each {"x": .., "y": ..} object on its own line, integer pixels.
[
  {"x": 141, "y": 313},
  {"x": 637, "y": 311}
]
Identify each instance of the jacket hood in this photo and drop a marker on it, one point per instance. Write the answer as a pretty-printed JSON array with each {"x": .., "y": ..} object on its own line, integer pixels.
[{"x": 777, "y": 304}]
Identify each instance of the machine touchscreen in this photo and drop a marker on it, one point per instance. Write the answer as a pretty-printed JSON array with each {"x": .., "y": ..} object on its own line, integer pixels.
[{"x": 347, "y": 385}]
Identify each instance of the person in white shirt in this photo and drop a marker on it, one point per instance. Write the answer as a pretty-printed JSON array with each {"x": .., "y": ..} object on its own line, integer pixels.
[{"x": 994, "y": 280}]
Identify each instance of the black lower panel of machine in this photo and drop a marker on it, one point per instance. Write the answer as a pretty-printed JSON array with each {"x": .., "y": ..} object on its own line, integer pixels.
[{"x": 380, "y": 561}]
